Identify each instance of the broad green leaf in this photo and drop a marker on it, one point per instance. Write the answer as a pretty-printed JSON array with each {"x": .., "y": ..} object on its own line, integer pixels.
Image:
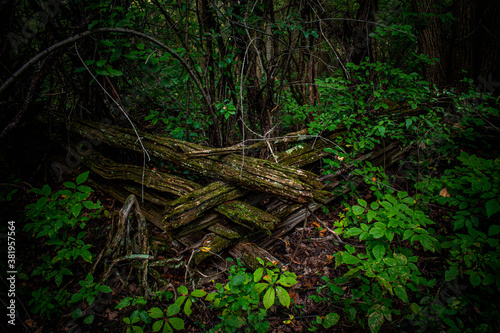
[
  {"x": 88, "y": 320},
  {"x": 46, "y": 190},
  {"x": 475, "y": 279},
  {"x": 451, "y": 273},
  {"x": 287, "y": 281},
  {"x": 257, "y": 275},
  {"x": 176, "y": 323},
  {"x": 400, "y": 291},
  {"x": 81, "y": 178},
  {"x": 492, "y": 206},
  {"x": 378, "y": 252},
  {"x": 354, "y": 231},
  {"x": 155, "y": 313},
  {"x": 375, "y": 321},
  {"x": 371, "y": 215},
  {"x": 358, "y": 210},
  {"x": 157, "y": 325},
  {"x": 415, "y": 307},
  {"x": 269, "y": 298},
  {"x": 330, "y": 319},
  {"x": 198, "y": 293},
  {"x": 384, "y": 283},
  {"x": 259, "y": 287},
  {"x": 69, "y": 184},
  {"x": 173, "y": 309},
  {"x": 407, "y": 234},
  {"x": 239, "y": 279},
  {"x": 283, "y": 296},
  {"x": 362, "y": 203},
  {"x": 377, "y": 232},
  {"x": 349, "y": 258},
  {"x": 183, "y": 290},
  {"x": 493, "y": 230}
]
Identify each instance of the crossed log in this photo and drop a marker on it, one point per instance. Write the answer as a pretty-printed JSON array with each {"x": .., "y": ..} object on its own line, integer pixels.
[{"x": 293, "y": 191}]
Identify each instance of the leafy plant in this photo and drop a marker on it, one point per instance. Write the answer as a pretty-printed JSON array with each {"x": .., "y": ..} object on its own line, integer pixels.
[
  {"x": 241, "y": 297},
  {"x": 89, "y": 290},
  {"x": 54, "y": 218}
]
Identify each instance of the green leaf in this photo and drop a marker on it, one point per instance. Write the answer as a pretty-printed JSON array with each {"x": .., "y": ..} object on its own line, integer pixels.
[
  {"x": 330, "y": 319},
  {"x": 451, "y": 273},
  {"x": 358, "y": 210},
  {"x": 283, "y": 296},
  {"x": 257, "y": 275},
  {"x": 492, "y": 206},
  {"x": 287, "y": 281},
  {"x": 187, "y": 307},
  {"x": 114, "y": 72},
  {"x": 77, "y": 313},
  {"x": 107, "y": 42},
  {"x": 377, "y": 232},
  {"x": 46, "y": 190},
  {"x": 176, "y": 323},
  {"x": 493, "y": 230},
  {"x": 400, "y": 291},
  {"x": 88, "y": 320},
  {"x": 173, "y": 309},
  {"x": 157, "y": 325},
  {"x": 198, "y": 293},
  {"x": 383, "y": 281},
  {"x": 475, "y": 279},
  {"x": 269, "y": 298},
  {"x": 183, "y": 290},
  {"x": 375, "y": 321},
  {"x": 81, "y": 178},
  {"x": 76, "y": 209},
  {"x": 362, "y": 203},
  {"x": 354, "y": 231},
  {"x": 349, "y": 258},
  {"x": 234, "y": 320},
  {"x": 407, "y": 234},
  {"x": 378, "y": 252}
]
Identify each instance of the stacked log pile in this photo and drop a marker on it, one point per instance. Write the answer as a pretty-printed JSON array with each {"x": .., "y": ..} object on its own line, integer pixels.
[{"x": 239, "y": 202}]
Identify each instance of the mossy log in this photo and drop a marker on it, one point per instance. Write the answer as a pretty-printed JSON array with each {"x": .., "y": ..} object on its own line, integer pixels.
[
  {"x": 160, "y": 181},
  {"x": 247, "y": 172},
  {"x": 192, "y": 205}
]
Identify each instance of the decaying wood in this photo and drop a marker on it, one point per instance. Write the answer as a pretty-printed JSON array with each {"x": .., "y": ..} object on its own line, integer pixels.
[
  {"x": 247, "y": 172},
  {"x": 250, "y": 199},
  {"x": 128, "y": 243}
]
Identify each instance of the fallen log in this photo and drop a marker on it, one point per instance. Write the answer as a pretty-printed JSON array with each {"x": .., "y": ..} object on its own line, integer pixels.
[{"x": 247, "y": 172}]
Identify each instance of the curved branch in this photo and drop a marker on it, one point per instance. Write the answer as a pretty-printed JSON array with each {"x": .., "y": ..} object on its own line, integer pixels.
[{"x": 75, "y": 38}]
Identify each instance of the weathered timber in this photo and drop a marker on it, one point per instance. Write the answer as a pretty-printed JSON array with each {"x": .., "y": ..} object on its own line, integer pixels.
[
  {"x": 161, "y": 181},
  {"x": 248, "y": 215},
  {"x": 211, "y": 244},
  {"x": 190, "y": 206},
  {"x": 247, "y": 172},
  {"x": 151, "y": 212},
  {"x": 196, "y": 200},
  {"x": 248, "y": 252}
]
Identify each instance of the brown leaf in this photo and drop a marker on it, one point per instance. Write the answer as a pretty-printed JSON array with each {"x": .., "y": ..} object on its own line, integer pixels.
[{"x": 444, "y": 193}]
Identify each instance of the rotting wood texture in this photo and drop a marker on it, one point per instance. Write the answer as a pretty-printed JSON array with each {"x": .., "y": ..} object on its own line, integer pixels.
[{"x": 250, "y": 200}]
